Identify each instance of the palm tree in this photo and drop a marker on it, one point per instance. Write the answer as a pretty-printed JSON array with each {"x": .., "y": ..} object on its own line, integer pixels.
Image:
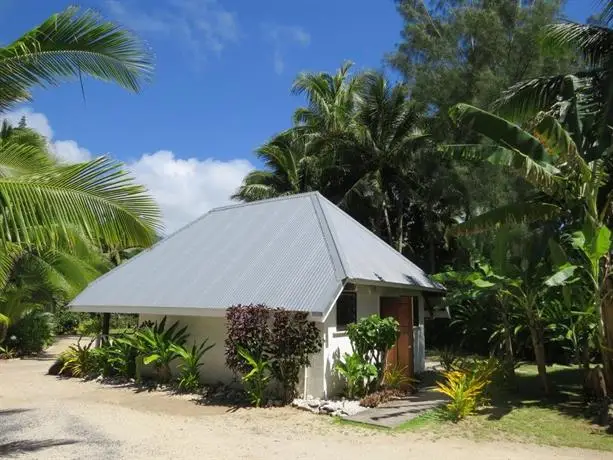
[
  {"x": 289, "y": 169},
  {"x": 36, "y": 194},
  {"x": 67, "y": 46},
  {"x": 54, "y": 219},
  {"x": 331, "y": 100},
  {"x": 380, "y": 152}
]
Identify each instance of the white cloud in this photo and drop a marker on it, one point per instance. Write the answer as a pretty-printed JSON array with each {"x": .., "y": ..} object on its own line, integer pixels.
[
  {"x": 202, "y": 26},
  {"x": 282, "y": 38},
  {"x": 187, "y": 188},
  {"x": 184, "y": 188}
]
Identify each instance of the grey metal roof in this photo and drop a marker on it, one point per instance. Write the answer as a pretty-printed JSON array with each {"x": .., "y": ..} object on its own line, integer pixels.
[{"x": 294, "y": 252}]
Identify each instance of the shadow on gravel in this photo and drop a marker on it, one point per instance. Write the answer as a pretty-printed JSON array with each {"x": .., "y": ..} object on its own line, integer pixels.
[{"x": 15, "y": 448}]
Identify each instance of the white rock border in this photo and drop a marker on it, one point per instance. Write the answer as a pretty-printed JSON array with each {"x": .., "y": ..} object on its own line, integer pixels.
[{"x": 341, "y": 408}]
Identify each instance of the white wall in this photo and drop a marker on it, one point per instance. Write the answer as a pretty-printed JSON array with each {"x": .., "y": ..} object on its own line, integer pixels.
[
  {"x": 336, "y": 343},
  {"x": 214, "y": 362},
  {"x": 321, "y": 380}
]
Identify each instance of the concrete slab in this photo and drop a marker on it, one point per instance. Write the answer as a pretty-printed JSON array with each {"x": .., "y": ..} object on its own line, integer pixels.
[{"x": 394, "y": 413}]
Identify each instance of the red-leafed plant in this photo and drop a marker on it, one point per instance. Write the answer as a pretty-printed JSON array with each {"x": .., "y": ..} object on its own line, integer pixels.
[
  {"x": 248, "y": 327},
  {"x": 282, "y": 338}
]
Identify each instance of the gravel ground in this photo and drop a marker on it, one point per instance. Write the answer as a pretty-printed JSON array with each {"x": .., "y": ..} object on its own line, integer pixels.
[{"x": 43, "y": 417}]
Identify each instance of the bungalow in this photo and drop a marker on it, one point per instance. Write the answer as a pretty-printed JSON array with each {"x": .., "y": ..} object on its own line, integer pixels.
[{"x": 298, "y": 252}]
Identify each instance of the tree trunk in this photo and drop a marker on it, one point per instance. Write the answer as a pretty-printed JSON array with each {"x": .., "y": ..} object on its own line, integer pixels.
[
  {"x": 509, "y": 356},
  {"x": 432, "y": 254},
  {"x": 388, "y": 226},
  {"x": 400, "y": 231},
  {"x": 539, "y": 353},
  {"x": 106, "y": 326},
  {"x": 606, "y": 325}
]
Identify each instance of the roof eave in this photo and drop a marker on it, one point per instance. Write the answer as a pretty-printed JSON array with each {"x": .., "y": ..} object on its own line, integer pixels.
[{"x": 412, "y": 287}]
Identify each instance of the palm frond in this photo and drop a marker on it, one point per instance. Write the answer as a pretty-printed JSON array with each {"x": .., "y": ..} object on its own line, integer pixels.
[
  {"x": 17, "y": 158},
  {"x": 66, "y": 46},
  {"x": 519, "y": 213},
  {"x": 593, "y": 41},
  {"x": 98, "y": 196}
]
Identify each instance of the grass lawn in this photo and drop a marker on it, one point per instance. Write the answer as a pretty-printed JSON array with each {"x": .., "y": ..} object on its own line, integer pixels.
[{"x": 524, "y": 416}]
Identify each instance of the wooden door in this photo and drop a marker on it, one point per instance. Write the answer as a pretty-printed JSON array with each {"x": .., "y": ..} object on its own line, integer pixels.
[{"x": 400, "y": 308}]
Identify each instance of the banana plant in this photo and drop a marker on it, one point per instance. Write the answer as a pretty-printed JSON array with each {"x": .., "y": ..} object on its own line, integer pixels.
[
  {"x": 579, "y": 257},
  {"x": 567, "y": 188}
]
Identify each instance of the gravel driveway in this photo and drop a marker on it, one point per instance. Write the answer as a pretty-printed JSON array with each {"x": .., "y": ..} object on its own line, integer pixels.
[{"x": 44, "y": 417}]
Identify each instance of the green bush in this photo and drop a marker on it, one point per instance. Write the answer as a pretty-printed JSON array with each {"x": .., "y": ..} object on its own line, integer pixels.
[
  {"x": 122, "y": 354},
  {"x": 32, "y": 333},
  {"x": 191, "y": 362},
  {"x": 371, "y": 338},
  {"x": 357, "y": 373},
  {"x": 79, "y": 360},
  {"x": 90, "y": 326},
  {"x": 157, "y": 346},
  {"x": 66, "y": 320}
]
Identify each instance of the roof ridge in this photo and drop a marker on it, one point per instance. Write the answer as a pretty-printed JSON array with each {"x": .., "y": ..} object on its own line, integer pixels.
[
  {"x": 267, "y": 200},
  {"x": 329, "y": 237},
  {"x": 376, "y": 237}
]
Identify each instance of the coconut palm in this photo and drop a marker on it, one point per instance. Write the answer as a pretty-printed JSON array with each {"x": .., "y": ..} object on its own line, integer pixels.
[
  {"x": 380, "y": 152},
  {"x": 289, "y": 169},
  {"x": 331, "y": 100},
  {"x": 39, "y": 199},
  {"x": 67, "y": 46}
]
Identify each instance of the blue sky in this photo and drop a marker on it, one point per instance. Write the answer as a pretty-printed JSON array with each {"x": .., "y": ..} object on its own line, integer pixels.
[{"x": 221, "y": 87}]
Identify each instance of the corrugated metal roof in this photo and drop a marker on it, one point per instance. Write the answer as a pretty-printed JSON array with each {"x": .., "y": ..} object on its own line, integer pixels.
[{"x": 293, "y": 252}]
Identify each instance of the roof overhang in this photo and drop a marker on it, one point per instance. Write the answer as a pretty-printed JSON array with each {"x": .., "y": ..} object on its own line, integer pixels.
[
  {"x": 406, "y": 287},
  {"x": 218, "y": 312}
]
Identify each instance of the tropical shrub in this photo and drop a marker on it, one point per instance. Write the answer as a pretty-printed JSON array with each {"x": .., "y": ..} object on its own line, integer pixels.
[
  {"x": 90, "y": 326},
  {"x": 78, "y": 360},
  {"x": 257, "y": 378},
  {"x": 395, "y": 378},
  {"x": 121, "y": 355},
  {"x": 7, "y": 353},
  {"x": 66, "y": 320},
  {"x": 32, "y": 332},
  {"x": 356, "y": 372},
  {"x": 248, "y": 328},
  {"x": 466, "y": 387},
  {"x": 191, "y": 362},
  {"x": 448, "y": 358},
  {"x": 282, "y": 338},
  {"x": 371, "y": 338},
  {"x": 293, "y": 338},
  {"x": 381, "y": 396},
  {"x": 100, "y": 362},
  {"x": 157, "y": 346}
]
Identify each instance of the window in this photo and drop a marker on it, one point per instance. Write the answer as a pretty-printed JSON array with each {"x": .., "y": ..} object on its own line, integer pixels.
[{"x": 346, "y": 310}]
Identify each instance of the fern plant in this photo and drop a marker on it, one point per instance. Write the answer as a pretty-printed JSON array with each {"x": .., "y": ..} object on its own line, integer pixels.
[{"x": 191, "y": 362}]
